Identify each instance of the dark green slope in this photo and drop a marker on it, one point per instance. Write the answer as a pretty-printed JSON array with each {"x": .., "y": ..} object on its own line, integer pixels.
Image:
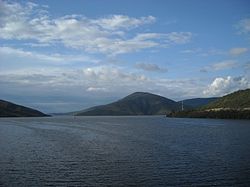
[
  {"x": 237, "y": 100},
  {"x": 232, "y": 106},
  {"x": 8, "y": 109},
  {"x": 198, "y": 102},
  {"x": 138, "y": 103}
]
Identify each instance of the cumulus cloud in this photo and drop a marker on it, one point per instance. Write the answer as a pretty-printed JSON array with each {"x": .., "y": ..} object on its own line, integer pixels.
[
  {"x": 237, "y": 51},
  {"x": 226, "y": 64},
  {"x": 102, "y": 35},
  {"x": 221, "y": 86},
  {"x": 150, "y": 67}
]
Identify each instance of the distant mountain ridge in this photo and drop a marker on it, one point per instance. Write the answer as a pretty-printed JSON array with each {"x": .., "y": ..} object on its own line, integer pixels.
[
  {"x": 234, "y": 105},
  {"x": 138, "y": 103},
  {"x": 8, "y": 109},
  {"x": 198, "y": 102}
]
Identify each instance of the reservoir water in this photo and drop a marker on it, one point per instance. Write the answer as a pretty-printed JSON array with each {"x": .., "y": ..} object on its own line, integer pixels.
[{"x": 124, "y": 151}]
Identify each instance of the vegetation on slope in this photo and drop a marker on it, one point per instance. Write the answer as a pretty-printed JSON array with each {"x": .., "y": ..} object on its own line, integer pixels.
[
  {"x": 8, "y": 109},
  {"x": 138, "y": 103},
  {"x": 232, "y": 106},
  {"x": 237, "y": 100}
]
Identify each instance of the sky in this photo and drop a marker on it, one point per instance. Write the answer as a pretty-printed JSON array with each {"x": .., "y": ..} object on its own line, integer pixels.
[{"x": 61, "y": 56}]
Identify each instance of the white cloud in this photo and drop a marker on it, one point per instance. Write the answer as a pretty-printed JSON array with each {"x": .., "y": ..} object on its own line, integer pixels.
[
  {"x": 237, "y": 51},
  {"x": 111, "y": 76},
  {"x": 116, "y": 22},
  {"x": 107, "y": 77},
  {"x": 150, "y": 67},
  {"x": 8, "y": 52},
  {"x": 106, "y": 35},
  {"x": 244, "y": 26},
  {"x": 169, "y": 38},
  {"x": 119, "y": 46},
  {"x": 94, "y": 89},
  {"x": 204, "y": 52},
  {"x": 21, "y": 53},
  {"x": 140, "y": 41},
  {"x": 221, "y": 86},
  {"x": 178, "y": 37},
  {"x": 212, "y": 52},
  {"x": 226, "y": 64},
  {"x": 192, "y": 51}
]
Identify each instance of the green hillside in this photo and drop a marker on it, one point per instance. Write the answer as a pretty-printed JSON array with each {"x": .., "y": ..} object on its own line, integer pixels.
[
  {"x": 138, "y": 103},
  {"x": 232, "y": 106},
  {"x": 8, "y": 109},
  {"x": 236, "y": 100}
]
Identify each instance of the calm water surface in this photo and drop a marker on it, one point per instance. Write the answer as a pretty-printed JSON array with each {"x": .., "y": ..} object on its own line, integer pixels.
[{"x": 123, "y": 151}]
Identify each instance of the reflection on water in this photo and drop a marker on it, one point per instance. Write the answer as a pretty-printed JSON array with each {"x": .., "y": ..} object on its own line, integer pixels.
[{"x": 145, "y": 151}]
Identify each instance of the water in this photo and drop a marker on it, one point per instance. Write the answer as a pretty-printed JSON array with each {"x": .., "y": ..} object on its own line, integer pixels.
[{"x": 123, "y": 151}]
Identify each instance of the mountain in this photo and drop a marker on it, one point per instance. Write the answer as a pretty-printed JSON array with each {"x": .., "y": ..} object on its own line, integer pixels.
[
  {"x": 232, "y": 106},
  {"x": 198, "y": 102},
  {"x": 237, "y": 100},
  {"x": 138, "y": 103},
  {"x": 8, "y": 109}
]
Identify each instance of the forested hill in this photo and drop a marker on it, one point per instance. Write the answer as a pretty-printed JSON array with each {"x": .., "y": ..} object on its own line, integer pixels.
[
  {"x": 138, "y": 103},
  {"x": 232, "y": 106},
  {"x": 8, "y": 109},
  {"x": 236, "y": 100}
]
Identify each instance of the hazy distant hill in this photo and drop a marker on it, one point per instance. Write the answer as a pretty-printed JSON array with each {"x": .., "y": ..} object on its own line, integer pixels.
[
  {"x": 198, "y": 102},
  {"x": 232, "y": 106},
  {"x": 138, "y": 103},
  {"x": 8, "y": 109}
]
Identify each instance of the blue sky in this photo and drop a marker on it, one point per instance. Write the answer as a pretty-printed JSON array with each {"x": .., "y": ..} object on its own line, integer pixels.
[{"x": 60, "y": 56}]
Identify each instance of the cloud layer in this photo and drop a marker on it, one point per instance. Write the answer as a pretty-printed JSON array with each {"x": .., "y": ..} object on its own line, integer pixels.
[
  {"x": 9, "y": 52},
  {"x": 226, "y": 64},
  {"x": 105, "y": 35},
  {"x": 237, "y": 51}
]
